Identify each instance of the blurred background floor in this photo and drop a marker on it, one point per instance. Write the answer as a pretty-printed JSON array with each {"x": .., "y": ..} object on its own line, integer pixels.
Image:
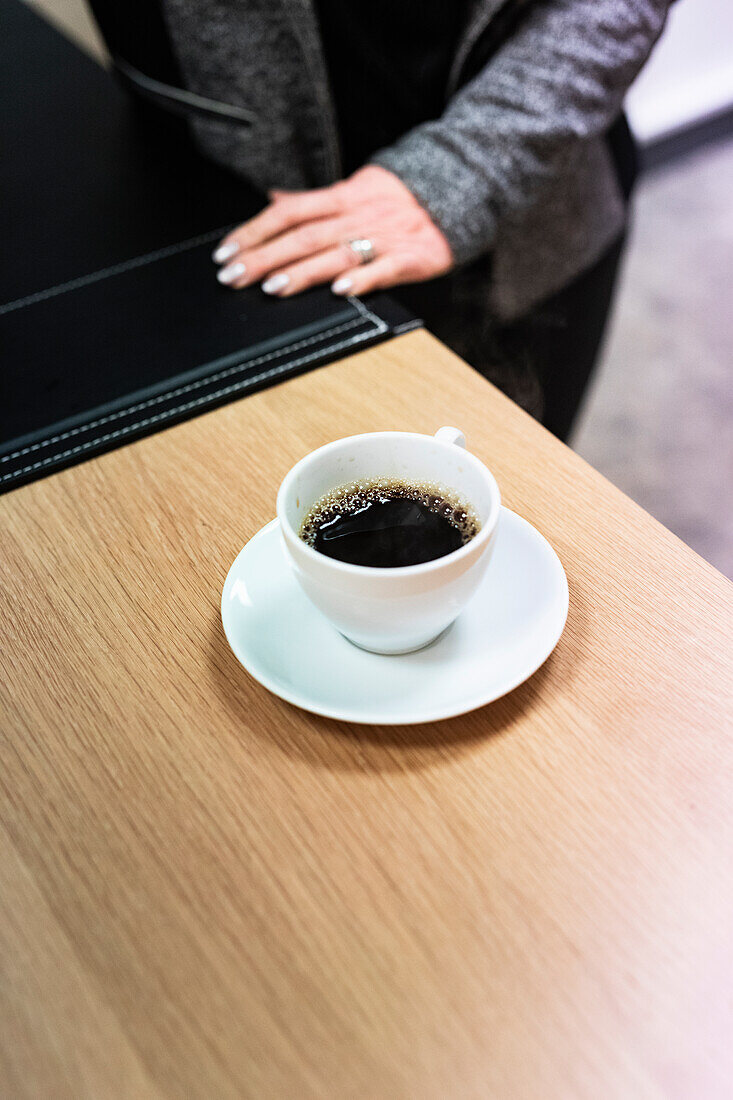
[{"x": 658, "y": 418}]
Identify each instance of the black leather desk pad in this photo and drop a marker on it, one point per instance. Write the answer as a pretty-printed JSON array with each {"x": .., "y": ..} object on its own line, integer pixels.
[{"x": 112, "y": 324}]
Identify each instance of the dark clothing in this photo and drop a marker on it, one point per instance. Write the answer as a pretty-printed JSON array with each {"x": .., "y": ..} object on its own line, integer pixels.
[
  {"x": 401, "y": 54},
  {"x": 388, "y": 65},
  {"x": 542, "y": 360},
  {"x": 517, "y": 164},
  {"x": 560, "y": 340},
  {"x": 529, "y": 312},
  {"x": 136, "y": 32}
]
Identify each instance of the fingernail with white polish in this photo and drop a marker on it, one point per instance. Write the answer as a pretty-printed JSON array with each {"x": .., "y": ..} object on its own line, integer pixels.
[
  {"x": 225, "y": 252},
  {"x": 229, "y": 274},
  {"x": 275, "y": 284},
  {"x": 341, "y": 286}
]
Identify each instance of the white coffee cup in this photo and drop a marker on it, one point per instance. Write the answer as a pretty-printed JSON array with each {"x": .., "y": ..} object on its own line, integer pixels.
[{"x": 402, "y": 609}]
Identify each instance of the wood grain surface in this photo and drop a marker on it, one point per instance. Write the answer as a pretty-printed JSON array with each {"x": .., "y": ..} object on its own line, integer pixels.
[{"x": 206, "y": 892}]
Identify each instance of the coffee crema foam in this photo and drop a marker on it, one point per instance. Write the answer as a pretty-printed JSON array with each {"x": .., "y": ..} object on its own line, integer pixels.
[{"x": 355, "y": 495}]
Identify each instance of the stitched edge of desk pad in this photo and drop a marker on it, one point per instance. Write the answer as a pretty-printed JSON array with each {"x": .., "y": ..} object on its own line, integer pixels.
[
  {"x": 240, "y": 379},
  {"x": 114, "y": 269},
  {"x": 242, "y": 376},
  {"x": 189, "y": 387}
]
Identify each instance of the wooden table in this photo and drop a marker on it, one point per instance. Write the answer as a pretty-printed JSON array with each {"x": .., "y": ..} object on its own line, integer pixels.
[{"x": 209, "y": 893}]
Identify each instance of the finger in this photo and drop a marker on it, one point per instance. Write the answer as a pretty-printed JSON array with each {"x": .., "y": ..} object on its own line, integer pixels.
[
  {"x": 311, "y": 272},
  {"x": 385, "y": 271},
  {"x": 289, "y": 211},
  {"x": 252, "y": 265}
]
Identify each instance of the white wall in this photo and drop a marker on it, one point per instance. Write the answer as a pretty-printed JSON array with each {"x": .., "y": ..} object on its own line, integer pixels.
[{"x": 690, "y": 73}]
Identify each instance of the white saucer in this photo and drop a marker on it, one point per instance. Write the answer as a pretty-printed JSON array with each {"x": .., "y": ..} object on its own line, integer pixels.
[{"x": 506, "y": 632}]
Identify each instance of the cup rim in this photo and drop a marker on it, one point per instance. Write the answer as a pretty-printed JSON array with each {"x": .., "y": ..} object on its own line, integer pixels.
[{"x": 470, "y": 549}]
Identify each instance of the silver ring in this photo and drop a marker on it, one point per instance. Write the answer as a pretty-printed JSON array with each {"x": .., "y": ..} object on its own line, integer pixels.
[{"x": 363, "y": 249}]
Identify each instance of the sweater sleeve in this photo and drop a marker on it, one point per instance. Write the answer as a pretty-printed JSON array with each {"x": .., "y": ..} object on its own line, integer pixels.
[{"x": 559, "y": 80}]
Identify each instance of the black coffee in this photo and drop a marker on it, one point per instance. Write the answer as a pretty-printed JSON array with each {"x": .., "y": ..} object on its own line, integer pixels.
[{"x": 388, "y": 524}]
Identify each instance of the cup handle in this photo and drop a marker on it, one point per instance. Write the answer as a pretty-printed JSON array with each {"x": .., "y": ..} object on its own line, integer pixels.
[{"x": 451, "y": 435}]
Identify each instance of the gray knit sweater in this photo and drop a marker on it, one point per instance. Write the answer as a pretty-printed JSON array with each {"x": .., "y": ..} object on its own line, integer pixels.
[{"x": 517, "y": 165}]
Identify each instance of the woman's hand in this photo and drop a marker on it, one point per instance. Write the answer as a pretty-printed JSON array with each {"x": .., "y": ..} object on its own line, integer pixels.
[{"x": 300, "y": 239}]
